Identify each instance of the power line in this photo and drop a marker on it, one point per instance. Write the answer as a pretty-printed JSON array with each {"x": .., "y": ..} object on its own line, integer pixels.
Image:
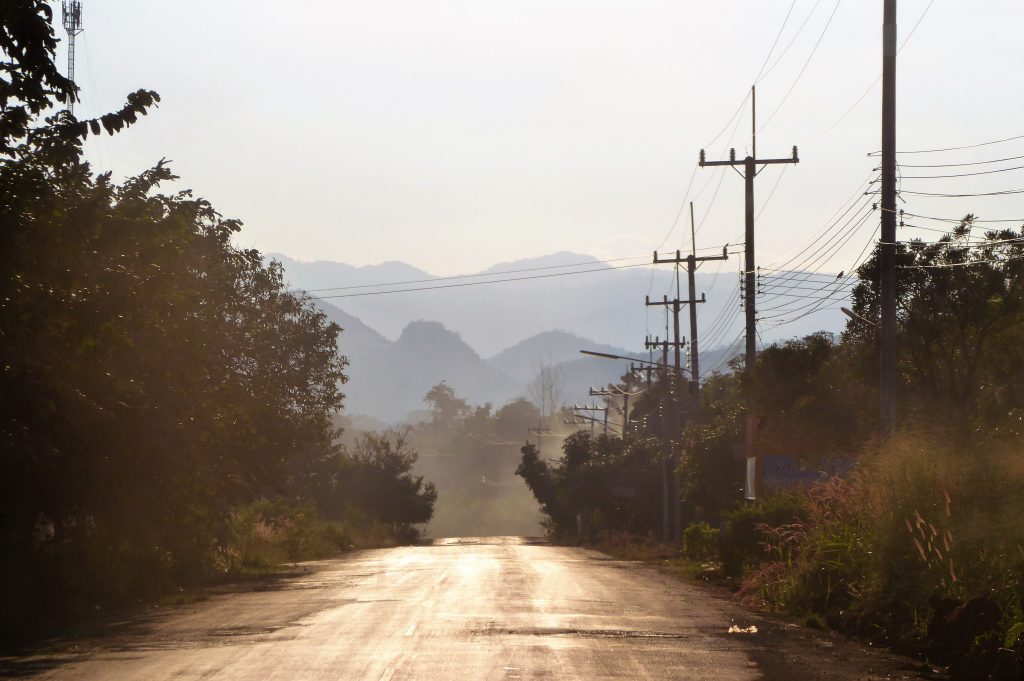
[
  {"x": 967, "y": 146},
  {"x": 960, "y": 220},
  {"x": 775, "y": 43},
  {"x": 969, "y": 263},
  {"x": 816, "y": 307},
  {"x": 941, "y": 177},
  {"x": 472, "y": 276},
  {"x": 875, "y": 81},
  {"x": 792, "y": 40},
  {"x": 959, "y": 165},
  {"x": 834, "y": 243},
  {"x": 804, "y": 68},
  {"x": 829, "y": 223},
  {"x": 479, "y": 283},
  {"x": 1004, "y": 192},
  {"x": 772, "y": 192}
]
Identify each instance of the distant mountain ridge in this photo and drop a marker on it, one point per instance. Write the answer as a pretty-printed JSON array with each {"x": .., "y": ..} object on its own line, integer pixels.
[
  {"x": 392, "y": 381},
  {"x": 548, "y": 347},
  {"x": 607, "y": 306},
  {"x": 487, "y": 341}
]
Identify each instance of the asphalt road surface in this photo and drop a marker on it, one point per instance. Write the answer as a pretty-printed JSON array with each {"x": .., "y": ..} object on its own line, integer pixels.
[{"x": 495, "y": 608}]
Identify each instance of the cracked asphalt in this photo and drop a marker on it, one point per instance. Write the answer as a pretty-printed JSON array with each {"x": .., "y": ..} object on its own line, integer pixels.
[{"x": 465, "y": 609}]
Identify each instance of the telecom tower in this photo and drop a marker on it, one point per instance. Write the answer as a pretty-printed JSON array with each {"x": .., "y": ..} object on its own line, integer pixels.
[{"x": 71, "y": 12}]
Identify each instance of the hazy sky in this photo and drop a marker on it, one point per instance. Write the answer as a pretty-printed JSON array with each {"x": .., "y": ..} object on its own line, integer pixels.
[{"x": 454, "y": 134}]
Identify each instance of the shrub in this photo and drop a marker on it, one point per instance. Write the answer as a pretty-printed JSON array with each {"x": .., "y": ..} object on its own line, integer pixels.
[
  {"x": 700, "y": 542},
  {"x": 743, "y": 543},
  {"x": 267, "y": 533}
]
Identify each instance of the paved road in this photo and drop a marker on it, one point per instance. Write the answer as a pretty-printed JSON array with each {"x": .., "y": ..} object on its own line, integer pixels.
[{"x": 498, "y": 608}]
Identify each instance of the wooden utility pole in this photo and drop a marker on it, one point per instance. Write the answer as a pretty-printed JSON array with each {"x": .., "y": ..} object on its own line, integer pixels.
[
  {"x": 592, "y": 408},
  {"x": 750, "y": 170},
  {"x": 614, "y": 393},
  {"x": 673, "y": 405},
  {"x": 887, "y": 254},
  {"x": 691, "y": 268},
  {"x": 666, "y": 446}
]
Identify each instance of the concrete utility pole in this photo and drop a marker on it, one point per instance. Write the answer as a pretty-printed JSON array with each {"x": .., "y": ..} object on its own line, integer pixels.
[
  {"x": 666, "y": 445},
  {"x": 750, "y": 170},
  {"x": 612, "y": 393},
  {"x": 691, "y": 268},
  {"x": 593, "y": 407},
  {"x": 675, "y": 426},
  {"x": 887, "y": 252}
]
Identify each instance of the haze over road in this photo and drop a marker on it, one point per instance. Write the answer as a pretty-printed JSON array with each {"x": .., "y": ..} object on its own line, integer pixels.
[{"x": 495, "y": 608}]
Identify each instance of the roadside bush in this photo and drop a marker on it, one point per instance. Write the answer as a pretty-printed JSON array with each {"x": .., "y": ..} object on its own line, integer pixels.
[
  {"x": 922, "y": 548},
  {"x": 266, "y": 533},
  {"x": 742, "y": 543},
  {"x": 700, "y": 542}
]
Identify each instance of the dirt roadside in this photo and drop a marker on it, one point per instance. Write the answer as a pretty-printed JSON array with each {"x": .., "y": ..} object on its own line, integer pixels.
[{"x": 785, "y": 651}]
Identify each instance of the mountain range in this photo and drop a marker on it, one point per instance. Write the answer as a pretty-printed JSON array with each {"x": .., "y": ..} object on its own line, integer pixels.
[{"x": 487, "y": 341}]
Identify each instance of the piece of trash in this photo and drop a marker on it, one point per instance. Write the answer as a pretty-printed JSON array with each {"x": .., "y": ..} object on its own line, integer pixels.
[{"x": 740, "y": 630}]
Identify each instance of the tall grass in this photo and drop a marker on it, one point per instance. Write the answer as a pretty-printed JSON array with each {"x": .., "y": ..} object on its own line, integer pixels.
[{"x": 922, "y": 532}]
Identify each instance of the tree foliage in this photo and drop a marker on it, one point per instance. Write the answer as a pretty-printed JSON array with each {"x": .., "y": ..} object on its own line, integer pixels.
[
  {"x": 605, "y": 482},
  {"x": 156, "y": 377}
]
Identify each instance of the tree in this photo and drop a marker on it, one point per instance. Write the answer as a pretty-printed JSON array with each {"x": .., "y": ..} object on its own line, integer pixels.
[
  {"x": 154, "y": 375},
  {"x": 960, "y": 309},
  {"x": 545, "y": 390},
  {"x": 445, "y": 407},
  {"x": 377, "y": 479}
]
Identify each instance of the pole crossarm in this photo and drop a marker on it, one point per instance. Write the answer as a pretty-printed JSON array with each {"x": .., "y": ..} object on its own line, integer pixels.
[
  {"x": 680, "y": 259},
  {"x": 733, "y": 161}
]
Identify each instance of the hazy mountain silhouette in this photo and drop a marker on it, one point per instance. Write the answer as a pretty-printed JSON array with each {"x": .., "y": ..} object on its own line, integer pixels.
[
  {"x": 360, "y": 341},
  {"x": 390, "y": 383},
  {"x": 551, "y": 347},
  {"x": 388, "y": 379},
  {"x": 516, "y": 324},
  {"x": 607, "y": 307}
]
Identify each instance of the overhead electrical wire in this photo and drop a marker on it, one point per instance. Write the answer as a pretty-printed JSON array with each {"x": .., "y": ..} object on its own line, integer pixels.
[
  {"x": 722, "y": 324},
  {"x": 959, "y": 220},
  {"x": 1005, "y": 192},
  {"x": 968, "y": 263},
  {"x": 819, "y": 306},
  {"x": 479, "y": 283},
  {"x": 804, "y": 67},
  {"x": 825, "y": 251},
  {"x": 961, "y": 148},
  {"x": 771, "y": 193},
  {"x": 731, "y": 352},
  {"x": 942, "y": 177},
  {"x": 734, "y": 118},
  {"x": 958, "y": 165},
  {"x": 792, "y": 40},
  {"x": 832, "y": 220},
  {"x": 775, "y": 42},
  {"x": 838, "y": 286},
  {"x": 875, "y": 81},
  {"x": 472, "y": 276}
]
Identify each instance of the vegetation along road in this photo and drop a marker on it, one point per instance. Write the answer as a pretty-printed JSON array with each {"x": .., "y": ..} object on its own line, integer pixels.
[{"x": 497, "y": 608}]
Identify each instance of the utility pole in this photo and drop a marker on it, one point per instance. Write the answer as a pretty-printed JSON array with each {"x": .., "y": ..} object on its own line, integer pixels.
[
  {"x": 609, "y": 393},
  {"x": 666, "y": 445},
  {"x": 691, "y": 268},
  {"x": 887, "y": 254},
  {"x": 750, "y": 170},
  {"x": 673, "y": 405},
  {"x": 593, "y": 407},
  {"x": 643, "y": 369}
]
